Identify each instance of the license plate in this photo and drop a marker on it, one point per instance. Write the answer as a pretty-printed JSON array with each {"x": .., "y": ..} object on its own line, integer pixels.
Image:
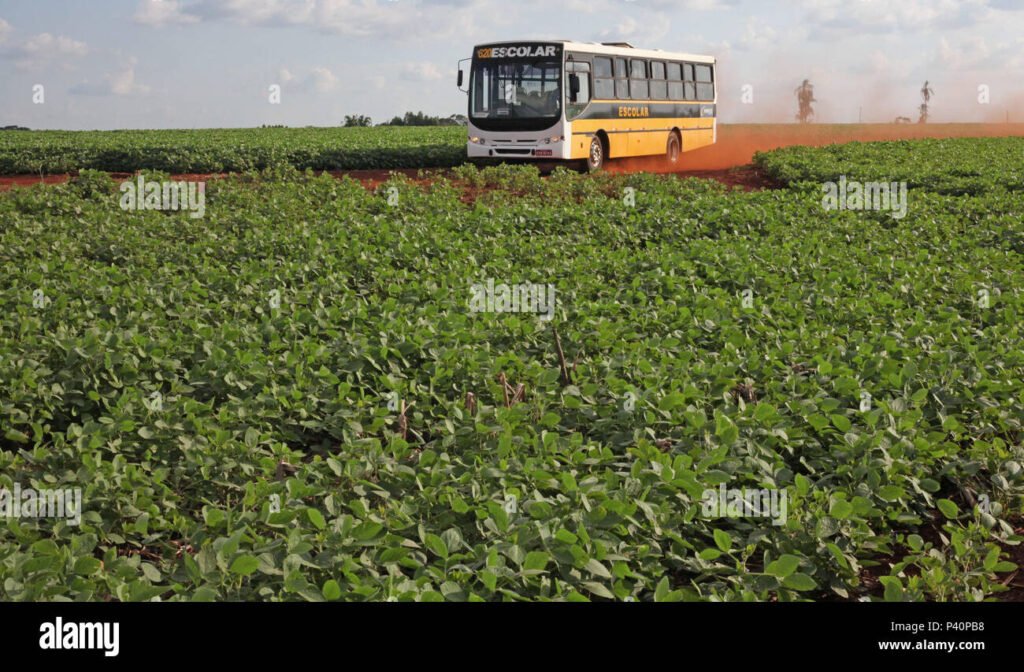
[{"x": 543, "y": 152}]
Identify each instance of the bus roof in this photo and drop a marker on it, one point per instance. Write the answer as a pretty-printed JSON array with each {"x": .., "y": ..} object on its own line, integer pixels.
[{"x": 615, "y": 50}]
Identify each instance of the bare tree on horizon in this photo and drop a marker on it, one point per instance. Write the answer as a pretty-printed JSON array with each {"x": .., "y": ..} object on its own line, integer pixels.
[
  {"x": 926, "y": 95},
  {"x": 805, "y": 96}
]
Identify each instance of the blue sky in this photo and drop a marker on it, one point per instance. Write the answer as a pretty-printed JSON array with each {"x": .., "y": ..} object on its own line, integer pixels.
[{"x": 209, "y": 63}]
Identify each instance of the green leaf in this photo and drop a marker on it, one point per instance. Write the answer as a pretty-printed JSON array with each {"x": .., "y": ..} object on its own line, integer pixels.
[
  {"x": 799, "y": 581},
  {"x": 893, "y": 588},
  {"x": 366, "y": 531},
  {"x": 992, "y": 559},
  {"x": 566, "y": 537},
  {"x": 763, "y": 412},
  {"x": 891, "y": 493},
  {"x": 598, "y": 589},
  {"x": 662, "y": 590},
  {"x": 213, "y": 517},
  {"x": 841, "y": 422},
  {"x": 784, "y": 566},
  {"x": 838, "y": 554},
  {"x": 723, "y": 540},
  {"x": 948, "y": 508},
  {"x": 316, "y": 518},
  {"x": 16, "y": 436},
  {"x": 595, "y": 567},
  {"x": 331, "y": 590},
  {"x": 142, "y": 524},
  {"x": 151, "y": 572},
  {"x": 841, "y": 509},
  {"x": 244, "y": 565},
  {"x": 536, "y": 560},
  {"x": 87, "y": 565},
  {"x": 437, "y": 546}
]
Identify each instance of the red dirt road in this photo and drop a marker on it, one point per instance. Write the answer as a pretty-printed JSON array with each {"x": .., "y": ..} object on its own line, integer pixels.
[
  {"x": 727, "y": 161},
  {"x": 737, "y": 144}
]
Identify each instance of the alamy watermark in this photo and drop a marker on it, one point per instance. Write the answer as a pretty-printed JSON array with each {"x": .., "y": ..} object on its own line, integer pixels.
[
  {"x": 488, "y": 297},
  {"x": 70, "y": 636},
  {"x": 878, "y": 196},
  {"x": 164, "y": 195},
  {"x": 63, "y": 503},
  {"x": 746, "y": 503}
]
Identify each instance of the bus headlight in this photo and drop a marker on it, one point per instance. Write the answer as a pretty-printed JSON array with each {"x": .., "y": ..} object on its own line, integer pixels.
[
  {"x": 476, "y": 141},
  {"x": 554, "y": 138}
]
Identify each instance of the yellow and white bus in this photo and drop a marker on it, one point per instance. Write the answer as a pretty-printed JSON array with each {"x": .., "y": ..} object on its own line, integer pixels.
[{"x": 578, "y": 101}]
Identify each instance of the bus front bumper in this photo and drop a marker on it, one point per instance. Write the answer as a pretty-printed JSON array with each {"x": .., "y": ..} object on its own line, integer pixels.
[{"x": 518, "y": 150}]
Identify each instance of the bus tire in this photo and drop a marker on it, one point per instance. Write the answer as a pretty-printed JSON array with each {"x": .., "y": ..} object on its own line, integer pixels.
[
  {"x": 597, "y": 154},
  {"x": 674, "y": 148}
]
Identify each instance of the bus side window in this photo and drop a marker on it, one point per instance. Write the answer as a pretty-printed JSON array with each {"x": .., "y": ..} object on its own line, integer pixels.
[
  {"x": 639, "y": 88},
  {"x": 581, "y": 71},
  {"x": 621, "y": 79},
  {"x": 675, "y": 81},
  {"x": 604, "y": 79},
  {"x": 705, "y": 83},
  {"x": 691, "y": 89},
  {"x": 659, "y": 87}
]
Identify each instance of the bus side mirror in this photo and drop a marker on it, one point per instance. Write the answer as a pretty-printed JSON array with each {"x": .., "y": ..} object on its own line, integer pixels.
[
  {"x": 574, "y": 87},
  {"x": 462, "y": 75}
]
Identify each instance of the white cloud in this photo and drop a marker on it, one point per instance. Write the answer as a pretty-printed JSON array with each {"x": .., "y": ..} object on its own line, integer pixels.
[
  {"x": 972, "y": 53},
  {"x": 323, "y": 80},
  {"x": 757, "y": 35},
  {"x": 123, "y": 83},
  {"x": 825, "y": 19},
  {"x": 46, "y": 45},
  {"x": 318, "y": 79},
  {"x": 45, "y": 49},
  {"x": 118, "y": 83},
  {"x": 5, "y": 30},
  {"x": 250, "y": 12},
  {"x": 646, "y": 33},
  {"x": 625, "y": 28},
  {"x": 412, "y": 19},
  {"x": 422, "y": 71},
  {"x": 162, "y": 13},
  {"x": 399, "y": 19}
]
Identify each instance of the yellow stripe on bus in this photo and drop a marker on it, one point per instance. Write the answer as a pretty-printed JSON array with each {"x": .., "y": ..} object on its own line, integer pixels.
[
  {"x": 622, "y": 101},
  {"x": 641, "y": 137}
]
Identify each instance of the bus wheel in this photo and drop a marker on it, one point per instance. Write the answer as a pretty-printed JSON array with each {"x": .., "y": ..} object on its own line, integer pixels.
[
  {"x": 673, "y": 149},
  {"x": 595, "y": 157}
]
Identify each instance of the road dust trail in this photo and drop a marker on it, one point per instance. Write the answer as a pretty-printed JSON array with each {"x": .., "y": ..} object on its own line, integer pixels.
[{"x": 737, "y": 143}]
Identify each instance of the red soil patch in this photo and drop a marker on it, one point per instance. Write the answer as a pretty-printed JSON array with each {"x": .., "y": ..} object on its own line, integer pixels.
[
  {"x": 371, "y": 179},
  {"x": 737, "y": 144},
  {"x": 8, "y": 181},
  {"x": 747, "y": 177},
  {"x": 734, "y": 150}
]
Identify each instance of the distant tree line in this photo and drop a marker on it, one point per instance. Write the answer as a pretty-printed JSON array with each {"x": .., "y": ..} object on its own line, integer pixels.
[
  {"x": 409, "y": 119},
  {"x": 14, "y": 128}
]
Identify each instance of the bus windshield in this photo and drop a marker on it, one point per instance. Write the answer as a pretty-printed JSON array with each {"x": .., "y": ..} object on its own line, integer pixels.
[{"x": 516, "y": 90}]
